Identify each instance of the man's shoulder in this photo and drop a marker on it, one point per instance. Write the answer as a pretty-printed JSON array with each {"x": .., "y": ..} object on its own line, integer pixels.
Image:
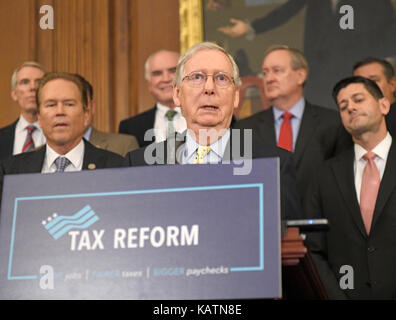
[
  {"x": 253, "y": 119},
  {"x": 98, "y": 153},
  {"x": 139, "y": 117},
  {"x": 321, "y": 111},
  {"x": 27, "y": 162},
  {"x": 9, "y": 128}
]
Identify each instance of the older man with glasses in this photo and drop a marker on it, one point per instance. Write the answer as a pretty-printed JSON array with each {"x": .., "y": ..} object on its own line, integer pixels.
[{"x": 206, "y": 87}]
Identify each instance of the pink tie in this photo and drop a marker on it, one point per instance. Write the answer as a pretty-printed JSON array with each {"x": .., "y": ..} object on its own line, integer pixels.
[{"x": 369, "y": 190}]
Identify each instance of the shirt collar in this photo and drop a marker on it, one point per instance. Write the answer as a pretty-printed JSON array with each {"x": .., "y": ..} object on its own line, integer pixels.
[
  {"x": 297, "y": 110},
  {"x": 218, "y": 147},
  {"x": 87, "y": 133},
  {"x": 75, "y": 155},
  {"x": 381, "y": 149},
  {"x": 163, "y": 109},
  {"x": 23, "y": 123}
]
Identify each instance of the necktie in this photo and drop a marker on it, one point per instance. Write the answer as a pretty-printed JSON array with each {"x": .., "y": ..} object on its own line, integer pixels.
[
  {"x": 171, "y": 128},
  {"x": 61, "y": 164},
  {"x": 29, "y": 143},
  {"x": 286, "y": 135},
  {"x": 369, "y": 190},
  {"x": 202, "y": 151}
]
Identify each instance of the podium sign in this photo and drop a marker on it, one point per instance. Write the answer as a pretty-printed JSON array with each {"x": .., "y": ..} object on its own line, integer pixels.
[{"x": 159, "y": 232}]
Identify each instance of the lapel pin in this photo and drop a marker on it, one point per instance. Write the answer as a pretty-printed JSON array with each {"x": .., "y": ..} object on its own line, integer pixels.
[{"x": 91, "y": 166}]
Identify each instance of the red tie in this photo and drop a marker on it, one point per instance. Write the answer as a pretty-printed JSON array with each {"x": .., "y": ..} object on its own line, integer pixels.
[
  {"x": 369, "y": 190},
  {"x": 286, "y": 135},
  {"x": 29, "y": 143}
]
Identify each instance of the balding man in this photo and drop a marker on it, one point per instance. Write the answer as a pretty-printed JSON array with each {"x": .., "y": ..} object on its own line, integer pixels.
[
  {"x": 25, "y": 133},
  {"x": 164, "y": 117}
]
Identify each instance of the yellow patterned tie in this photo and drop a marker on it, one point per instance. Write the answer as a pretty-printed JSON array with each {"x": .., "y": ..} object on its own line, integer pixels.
[{"x": 202, "y": 151}]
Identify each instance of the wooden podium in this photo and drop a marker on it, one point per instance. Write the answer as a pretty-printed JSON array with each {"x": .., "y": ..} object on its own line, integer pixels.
[{"x": 300, "y": 279}]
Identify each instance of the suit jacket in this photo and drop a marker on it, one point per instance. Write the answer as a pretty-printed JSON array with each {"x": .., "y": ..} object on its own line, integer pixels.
[
  {"x": 138, "y": 125},
  {"x": 7, "y": 135},
  {"x": 32, "y": 162},
  {"x": 372, "y": 257},
  {"x": 290, "y": 204},
  {"x": 117, "y": 143},
  {"x": 390, "y": 119},
  {"x": 321, "y": 136}
]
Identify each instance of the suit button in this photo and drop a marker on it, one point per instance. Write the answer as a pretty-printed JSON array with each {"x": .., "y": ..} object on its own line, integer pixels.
[{"x": 371, "y": 249}]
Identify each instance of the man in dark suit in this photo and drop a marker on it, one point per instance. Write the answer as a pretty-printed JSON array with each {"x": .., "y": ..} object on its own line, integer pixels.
[
  {"x": 382, "y": 72},
  {"x": 207, "y": 89},
  {"x": 63, "y": 114},
  {"x": 160, "y": 70},
  {"x": 356, "y": 192},
  {"x": 25, "y": 133},
  {"x": 311, "y": 132}
]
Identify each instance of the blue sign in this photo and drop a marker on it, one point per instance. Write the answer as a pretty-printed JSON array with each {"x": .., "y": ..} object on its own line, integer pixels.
[{"x": 158, "y": 232}]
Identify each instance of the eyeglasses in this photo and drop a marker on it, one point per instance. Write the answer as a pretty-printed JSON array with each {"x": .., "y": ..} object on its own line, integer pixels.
[{"x": 198, "y": 78}]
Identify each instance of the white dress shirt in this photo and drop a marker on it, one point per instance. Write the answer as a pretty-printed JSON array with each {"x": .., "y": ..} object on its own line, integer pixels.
[
  {"x": 381, "y": 150},
  {"x": 215, "y": 154},
  {"x": 21, "y": 132},
  {"x": 161, "y": 122},
  {"x": 75, "y": 156}
]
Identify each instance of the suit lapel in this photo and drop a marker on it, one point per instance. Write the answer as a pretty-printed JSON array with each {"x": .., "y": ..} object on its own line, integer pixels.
[
  {"x": 36, "y": 162},
  {"x": 306, "y": 132},
  {"x": 388, "y": 184},
  {"x": 91, "y": 159},
  {"x": 344, "y": 174},
  {"x": 266, "y": 127}
]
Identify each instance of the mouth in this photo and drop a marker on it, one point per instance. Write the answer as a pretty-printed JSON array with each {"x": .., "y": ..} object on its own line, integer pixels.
[
  {"x": 60, "y": 125},
  {"x": 209, "y": 107}
]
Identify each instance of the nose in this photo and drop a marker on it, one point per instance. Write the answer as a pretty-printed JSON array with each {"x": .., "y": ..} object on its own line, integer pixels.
[
  {"x": 209, "y": 85},
  {"x": 166, "y": 76}
]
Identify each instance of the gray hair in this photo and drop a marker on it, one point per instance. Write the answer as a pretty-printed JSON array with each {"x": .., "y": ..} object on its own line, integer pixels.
[
  {"x": 147, "y": 63},
  {"x": 298, "y": 60},
  {"x": 199, "y": 47},
  {"x": 25, "y": 64}
]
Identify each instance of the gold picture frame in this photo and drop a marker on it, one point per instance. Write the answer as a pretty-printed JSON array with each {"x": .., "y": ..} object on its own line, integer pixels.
[{"x": 191, "y": 23}]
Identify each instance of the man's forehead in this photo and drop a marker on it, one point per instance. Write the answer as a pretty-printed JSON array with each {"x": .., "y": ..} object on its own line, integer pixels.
[
  {"x": 163, "y": 60},
  {"x": 352, "y": 89},
  {"x": 277, "y": 57},
  {"x": 209, "y": 61},
  {"x": 370, "y": 69},
  {"x": 28, "y": 71}
]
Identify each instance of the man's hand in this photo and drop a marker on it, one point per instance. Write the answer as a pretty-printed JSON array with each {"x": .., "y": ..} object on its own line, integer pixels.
[{"x": 238, "y": 29}]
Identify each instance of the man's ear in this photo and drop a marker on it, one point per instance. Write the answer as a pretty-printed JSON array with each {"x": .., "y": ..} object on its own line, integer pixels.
[
  {"x": 384, "y": 105},
  {"x": 236, "y": 99},
  {"x": 14, "y": 95},
  {"x": 392, "y": 83},
  {"x": 302, "y": 76},
  {"x": 176, "y": 95}
]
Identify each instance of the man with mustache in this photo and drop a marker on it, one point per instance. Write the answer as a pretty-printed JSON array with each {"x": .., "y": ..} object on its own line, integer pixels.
[
  {"x": 356, "y": 192},
  {"x": 311, "y": 132},
  {"x": 25, "y": 133},
  {"x": 165, "y": 117}
]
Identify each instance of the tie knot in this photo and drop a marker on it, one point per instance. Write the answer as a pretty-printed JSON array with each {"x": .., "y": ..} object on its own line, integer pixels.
[
  {"x": 170, "y": 114},
  {"x": 287, "y": 115},
  {"x": 369, "y": 156},
  {"x": 61, "y": 164},
  {"x": 30, "y": 129},
  {"x": 202, "y": 151}
]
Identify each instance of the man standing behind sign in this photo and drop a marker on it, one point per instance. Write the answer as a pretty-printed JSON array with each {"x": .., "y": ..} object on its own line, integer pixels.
[
  {"x": 63, "y": 114},
  {"x": 206, "y": 87}
]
